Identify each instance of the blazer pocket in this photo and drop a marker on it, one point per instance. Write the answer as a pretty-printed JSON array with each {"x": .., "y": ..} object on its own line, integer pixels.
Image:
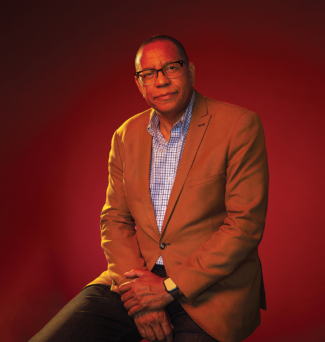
[{"x": 205, "y": 180}]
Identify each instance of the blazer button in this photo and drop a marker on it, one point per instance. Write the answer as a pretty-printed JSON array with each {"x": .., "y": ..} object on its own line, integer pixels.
[{"x": 162, "y": 246}]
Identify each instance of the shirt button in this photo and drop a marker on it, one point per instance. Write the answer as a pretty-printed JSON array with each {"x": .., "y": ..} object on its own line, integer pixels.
[{"x": 162, "y": 246}]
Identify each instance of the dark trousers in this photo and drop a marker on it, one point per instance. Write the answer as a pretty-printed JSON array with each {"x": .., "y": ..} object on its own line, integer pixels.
[{"x": 98, "y": 314}]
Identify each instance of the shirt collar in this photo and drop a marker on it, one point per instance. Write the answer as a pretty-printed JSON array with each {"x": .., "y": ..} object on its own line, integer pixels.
[{"x": 153, "y": 126}]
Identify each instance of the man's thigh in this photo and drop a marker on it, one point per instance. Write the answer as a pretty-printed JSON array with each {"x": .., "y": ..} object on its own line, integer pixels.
[
  {"x": 95, "y": 314},
  {"x": 185, "y": 329}
]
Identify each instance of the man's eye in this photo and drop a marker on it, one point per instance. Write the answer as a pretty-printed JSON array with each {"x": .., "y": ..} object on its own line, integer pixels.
[
  {"x": 147, "y": 74},
  {"x": 171, "y": 68}
]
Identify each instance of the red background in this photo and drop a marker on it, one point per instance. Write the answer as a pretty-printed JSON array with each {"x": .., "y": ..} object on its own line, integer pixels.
[{"x": 67, "y": 84}]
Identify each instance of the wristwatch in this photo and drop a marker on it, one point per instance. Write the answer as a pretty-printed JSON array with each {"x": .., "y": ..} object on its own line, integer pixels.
[{"x": 171, "y": 288}]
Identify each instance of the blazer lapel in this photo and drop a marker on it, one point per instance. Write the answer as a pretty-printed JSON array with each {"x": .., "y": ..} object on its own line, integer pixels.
[
  {"x": 198, "y": 125},
  {"x": 144, "y": 176}
]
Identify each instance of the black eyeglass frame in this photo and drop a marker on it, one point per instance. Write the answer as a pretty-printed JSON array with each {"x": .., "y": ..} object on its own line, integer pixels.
[{"x": 181, "y": 62}]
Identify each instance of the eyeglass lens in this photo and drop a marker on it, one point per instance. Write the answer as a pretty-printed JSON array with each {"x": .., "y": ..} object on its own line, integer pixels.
[{"x": 171, "y": 71}]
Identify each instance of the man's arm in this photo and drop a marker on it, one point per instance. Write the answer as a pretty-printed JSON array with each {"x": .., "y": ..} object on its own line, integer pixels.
[
  {"x": 246, "y": 197},
  {"x": 119, "y": 238},
  {"x": 120, "y": 245}
]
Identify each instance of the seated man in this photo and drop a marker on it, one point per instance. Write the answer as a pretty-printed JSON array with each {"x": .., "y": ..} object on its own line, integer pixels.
[{"x": 184, "y": 214}]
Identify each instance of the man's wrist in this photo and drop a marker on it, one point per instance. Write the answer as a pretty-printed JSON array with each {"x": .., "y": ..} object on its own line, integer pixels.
[{"x": 172, "y": 289}]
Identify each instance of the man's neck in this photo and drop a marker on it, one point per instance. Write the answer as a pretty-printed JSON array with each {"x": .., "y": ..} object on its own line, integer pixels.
[
  {"x": 167, "y": 121},
  {"x": 166, "y": 124}
]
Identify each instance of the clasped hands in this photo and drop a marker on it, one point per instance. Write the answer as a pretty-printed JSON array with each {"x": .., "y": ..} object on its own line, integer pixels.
[
  {"x": 146, "y": 292},
  {"x": 145, "y": 298}
]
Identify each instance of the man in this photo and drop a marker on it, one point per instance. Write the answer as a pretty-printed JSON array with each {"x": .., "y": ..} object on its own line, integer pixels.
[{"x": 185, "y": 212}]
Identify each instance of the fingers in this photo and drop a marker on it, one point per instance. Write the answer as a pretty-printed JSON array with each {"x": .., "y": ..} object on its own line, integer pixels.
[
  {"x": 150, "y": 334},
  {"x": 136, "y": 305},
  {"x": 146, "y": 332},
  {"x": 167, "y": 329},
  {"x": 154, "y": 325},
  {"x": 134, "y": 273},
  {"x": 145, "y": 323},
  {"x": 135, "y": 309},
  {"x": 141, "y": 329},
  {"x": 125, "y": 287},
  {"x": 134, "y": 302},
  {"x": 159, "y": 332},
  {"x": 125, "y": 296}
]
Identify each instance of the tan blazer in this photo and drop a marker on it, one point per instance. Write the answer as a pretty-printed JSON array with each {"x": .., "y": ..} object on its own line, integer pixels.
[{"x": 214, "y": 220}]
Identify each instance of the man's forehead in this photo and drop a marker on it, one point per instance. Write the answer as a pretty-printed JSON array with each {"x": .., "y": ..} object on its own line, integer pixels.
[{"x": 161, "y": 51}]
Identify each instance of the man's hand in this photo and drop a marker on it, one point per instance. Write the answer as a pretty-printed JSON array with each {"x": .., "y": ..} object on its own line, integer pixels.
[
  {"x": 145, "y": 293},
  {"x": 154, "y": 325}
]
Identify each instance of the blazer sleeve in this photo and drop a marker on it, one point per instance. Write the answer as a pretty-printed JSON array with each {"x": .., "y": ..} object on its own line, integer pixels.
[
  {"x": 246, "y": 197},
  {"x": 118, "y": 231}
]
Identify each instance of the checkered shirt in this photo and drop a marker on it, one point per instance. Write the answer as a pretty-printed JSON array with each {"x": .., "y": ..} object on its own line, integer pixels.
[{"x": 165, "y": 157}]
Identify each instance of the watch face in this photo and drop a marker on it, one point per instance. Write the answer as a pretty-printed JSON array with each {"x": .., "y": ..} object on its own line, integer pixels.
[{"x": 170, "y": 285}]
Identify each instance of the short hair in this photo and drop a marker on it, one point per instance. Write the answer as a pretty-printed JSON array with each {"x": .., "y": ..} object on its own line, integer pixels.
[{"x": 161, "y": 38}]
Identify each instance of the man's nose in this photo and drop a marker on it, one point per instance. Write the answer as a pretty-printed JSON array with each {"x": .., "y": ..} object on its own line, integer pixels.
[{"x": 161, "y": 79}]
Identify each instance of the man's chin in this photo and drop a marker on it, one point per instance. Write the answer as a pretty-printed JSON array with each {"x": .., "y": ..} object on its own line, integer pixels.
[
  {"x": 166, "y": 110},
  {"x": 166, "y": 107}
]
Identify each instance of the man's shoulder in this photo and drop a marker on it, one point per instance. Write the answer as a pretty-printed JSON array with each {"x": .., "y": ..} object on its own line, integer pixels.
[
  {"x": 219, "y": 109},
  {"x": 224, "y": 108},
  {"x": 229, "y": 114},
  {"x": 135, "y": 123}
]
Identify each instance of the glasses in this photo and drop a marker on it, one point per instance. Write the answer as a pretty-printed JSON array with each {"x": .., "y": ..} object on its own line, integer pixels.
[{"x": 170, "y": 70}]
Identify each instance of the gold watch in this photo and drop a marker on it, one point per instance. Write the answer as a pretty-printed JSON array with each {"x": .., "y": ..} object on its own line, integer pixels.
[{"x": 171, "y": 288}]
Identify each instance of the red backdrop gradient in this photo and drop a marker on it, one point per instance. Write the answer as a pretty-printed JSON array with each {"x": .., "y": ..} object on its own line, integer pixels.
[{"x": 67, "y": 84}]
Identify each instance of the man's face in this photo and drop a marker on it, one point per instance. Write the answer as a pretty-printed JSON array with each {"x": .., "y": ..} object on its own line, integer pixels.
[{"x": 169, "y": 97}]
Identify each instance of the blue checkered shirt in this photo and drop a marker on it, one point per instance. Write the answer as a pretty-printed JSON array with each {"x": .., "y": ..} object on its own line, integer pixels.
[{"x": 165, "y": 157}]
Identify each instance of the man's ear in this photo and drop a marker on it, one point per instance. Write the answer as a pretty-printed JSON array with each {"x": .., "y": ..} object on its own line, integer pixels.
[
  {"x": 191, "y": 69},
  {"x": 139, "y": 85}
]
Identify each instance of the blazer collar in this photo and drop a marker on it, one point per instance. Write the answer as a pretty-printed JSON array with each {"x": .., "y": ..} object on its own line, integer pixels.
[
  {"x": 144, "y": 175},
  {"x": 198, "y": 125}
]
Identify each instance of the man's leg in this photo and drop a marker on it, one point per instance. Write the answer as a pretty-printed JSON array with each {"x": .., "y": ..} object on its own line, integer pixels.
[
  {"x": 95, "y": 314},
  {"x": 185, "y": 329}
]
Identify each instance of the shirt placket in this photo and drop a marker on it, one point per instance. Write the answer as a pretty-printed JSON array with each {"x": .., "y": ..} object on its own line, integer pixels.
[
  {"x": 159, "y": 205},
  {"x": 171, "y": 160}
]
